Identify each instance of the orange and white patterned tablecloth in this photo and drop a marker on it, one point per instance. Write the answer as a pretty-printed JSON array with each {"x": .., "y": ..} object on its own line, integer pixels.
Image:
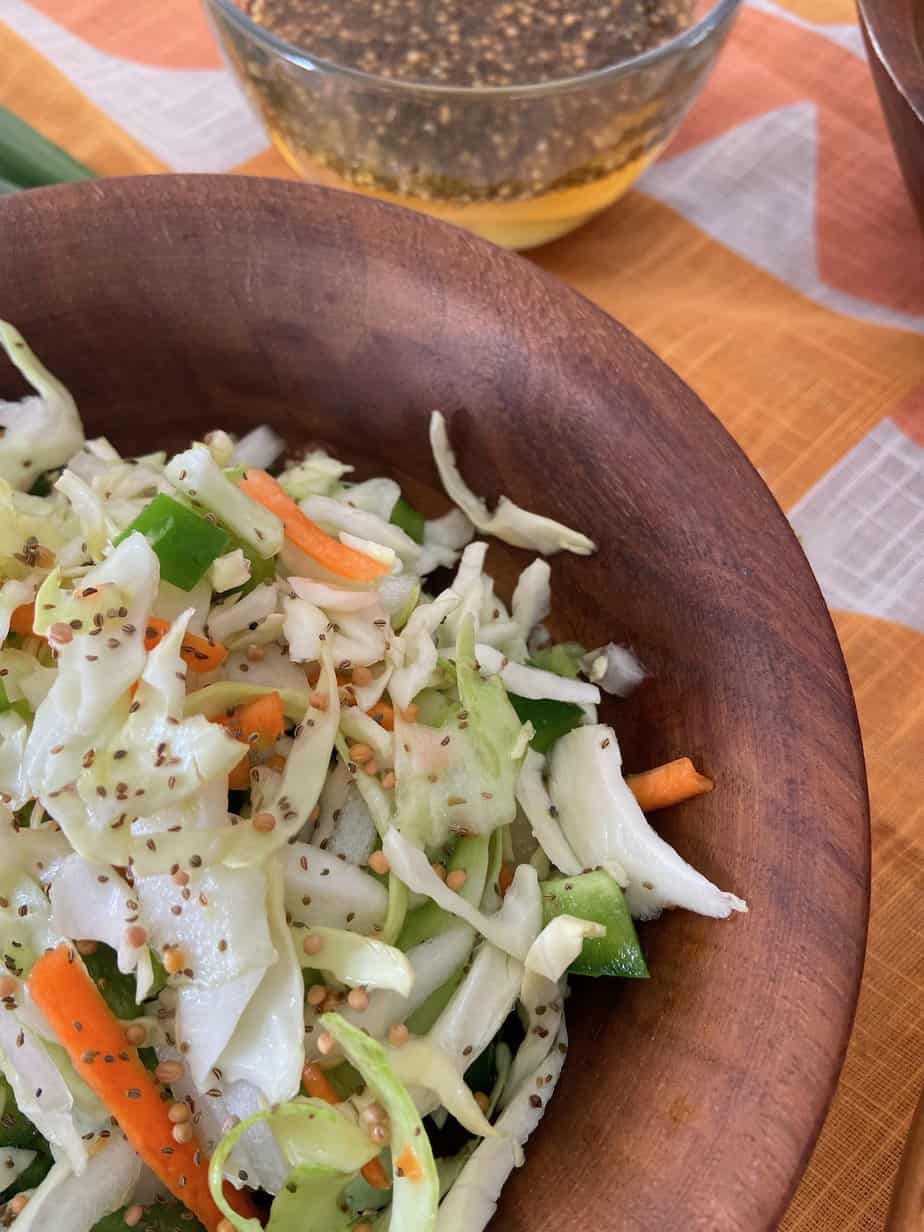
[{"x": 772, "y": 258}]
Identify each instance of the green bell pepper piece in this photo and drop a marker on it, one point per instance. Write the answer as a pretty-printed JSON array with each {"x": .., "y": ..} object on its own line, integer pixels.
[
  {"x": 117, "y": 988},
  {"x": 184, "y": 543},
  {"x": 158, "y": 1217},
  {"x": 550, "y": 718},
  {"x": 596, "y": 896},
  {"x": 408, "y": 519}
]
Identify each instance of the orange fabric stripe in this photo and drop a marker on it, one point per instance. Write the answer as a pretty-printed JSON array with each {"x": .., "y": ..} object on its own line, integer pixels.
[
  {"x": 36, "y": 91},
  {"x": 168, "y": 34}
]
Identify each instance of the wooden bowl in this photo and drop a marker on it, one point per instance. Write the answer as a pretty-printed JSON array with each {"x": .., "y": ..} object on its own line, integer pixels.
[
  {"x": 175, "y": 304},
  {"x": 893, "y": 31}
]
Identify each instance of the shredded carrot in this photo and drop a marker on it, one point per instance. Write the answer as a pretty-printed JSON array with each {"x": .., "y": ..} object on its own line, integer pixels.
[
  {"x": 383, "y": 714},
  {"x": 306, "y": 535},
  {"x": 22, "y": 619},
  {"x": 239, "y": 778},
  {"x": 316, "y": 1084},
  {"x": 504, "y": 878},
  {"x": 668, "y": 784},
  {"x": 408, "y": 1165},
  {"x": 198, "y": 653},
  {"x": 259, "y": 723},
  {"x": 95, "y": 1041}
]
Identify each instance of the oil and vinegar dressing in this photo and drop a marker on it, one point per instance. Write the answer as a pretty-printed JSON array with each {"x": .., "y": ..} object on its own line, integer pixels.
[{"x": 518, "y": 168}]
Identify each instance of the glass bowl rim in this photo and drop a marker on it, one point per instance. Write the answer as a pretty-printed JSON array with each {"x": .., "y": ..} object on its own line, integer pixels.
[{"x": 700, "y": 32}]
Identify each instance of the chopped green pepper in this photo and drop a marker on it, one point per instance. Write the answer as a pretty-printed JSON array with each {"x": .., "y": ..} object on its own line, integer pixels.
[
  {"x": 550, "y": 718},
  {"x": 118, "y": 989},
  {"x": 596, "y": 896},
  {"x": 408, "y": 519},
  {"x": 185, "y": 543},
  {"x": 158, "y": 1217}
]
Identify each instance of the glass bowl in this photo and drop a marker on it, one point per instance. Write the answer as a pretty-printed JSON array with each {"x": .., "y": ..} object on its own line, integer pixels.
[{"x": 519, "y": 165}]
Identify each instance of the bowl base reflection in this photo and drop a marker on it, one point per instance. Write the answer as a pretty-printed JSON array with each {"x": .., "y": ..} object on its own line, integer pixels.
[{"x": 519, "y": 224}]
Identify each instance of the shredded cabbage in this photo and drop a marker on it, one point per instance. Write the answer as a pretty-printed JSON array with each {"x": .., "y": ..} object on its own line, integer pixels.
[
  {"x": 196, "y": 473},
  {"x": 266, "y": 1050},
  {"x": 318, "y": 474},
  {"x": 462, "y": 775},
  {"x": 472, "y": 1201},
  {"x": 513, "y": 928},
  {"x": 43, "y": 430},
  {"x": 258, "y": 448},
  {"x": 70, "y": 1202},
  {"x": 309, "y": 1133},
  {"x": 337, "y": 516},
  {"x": 413, "y": 654},
  {"x": 508, "y": 522},
  {"x": 92, "y": 902},
  {"x": 415, "y": 1186},
  {"x": 345, "y": 799},
  {"x": 602, "y": 821},
  {"x": 614, "y": 668},
  {"x": 541, "y": 814},
  {"x": 532, "y": 682},
  {"x": 358, "y": 962},
  {"x": 444, "y": 539}
]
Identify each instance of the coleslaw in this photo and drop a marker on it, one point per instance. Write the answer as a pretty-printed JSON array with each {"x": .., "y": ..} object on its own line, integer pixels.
[{"x": 300, "y": 843}]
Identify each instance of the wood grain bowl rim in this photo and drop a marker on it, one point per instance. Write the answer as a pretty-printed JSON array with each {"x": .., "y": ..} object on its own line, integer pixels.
[
  {"x": 203, "y": 210},
  {"x": 897, "y": 40}
]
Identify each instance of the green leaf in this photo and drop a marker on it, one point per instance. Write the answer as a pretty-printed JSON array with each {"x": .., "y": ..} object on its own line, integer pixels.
[
  {"x": 29, "y": 160},
  {"x": 408, "y": 519}
]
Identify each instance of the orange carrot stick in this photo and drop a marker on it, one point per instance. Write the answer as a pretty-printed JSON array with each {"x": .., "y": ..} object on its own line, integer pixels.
[
  {"x": 239, "y": 778},
  {"x": 199, "y": 654},
  {"x": 383, "y": 714},
  {"x": 306, "y": 535},
  {"x": 504, "y": 878},
  {"x": 316, "y": 1084},
  {"x": 95, "y": 1041},
  {"x": 259, "y": 723},
  {"x": 22, "y": 619},
  {"x": 668, "y": 784},
  {"x": 408, "y": 1165}
]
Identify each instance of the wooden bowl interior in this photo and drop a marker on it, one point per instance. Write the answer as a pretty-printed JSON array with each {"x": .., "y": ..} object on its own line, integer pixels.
[{"x": 171, "y": 306}]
